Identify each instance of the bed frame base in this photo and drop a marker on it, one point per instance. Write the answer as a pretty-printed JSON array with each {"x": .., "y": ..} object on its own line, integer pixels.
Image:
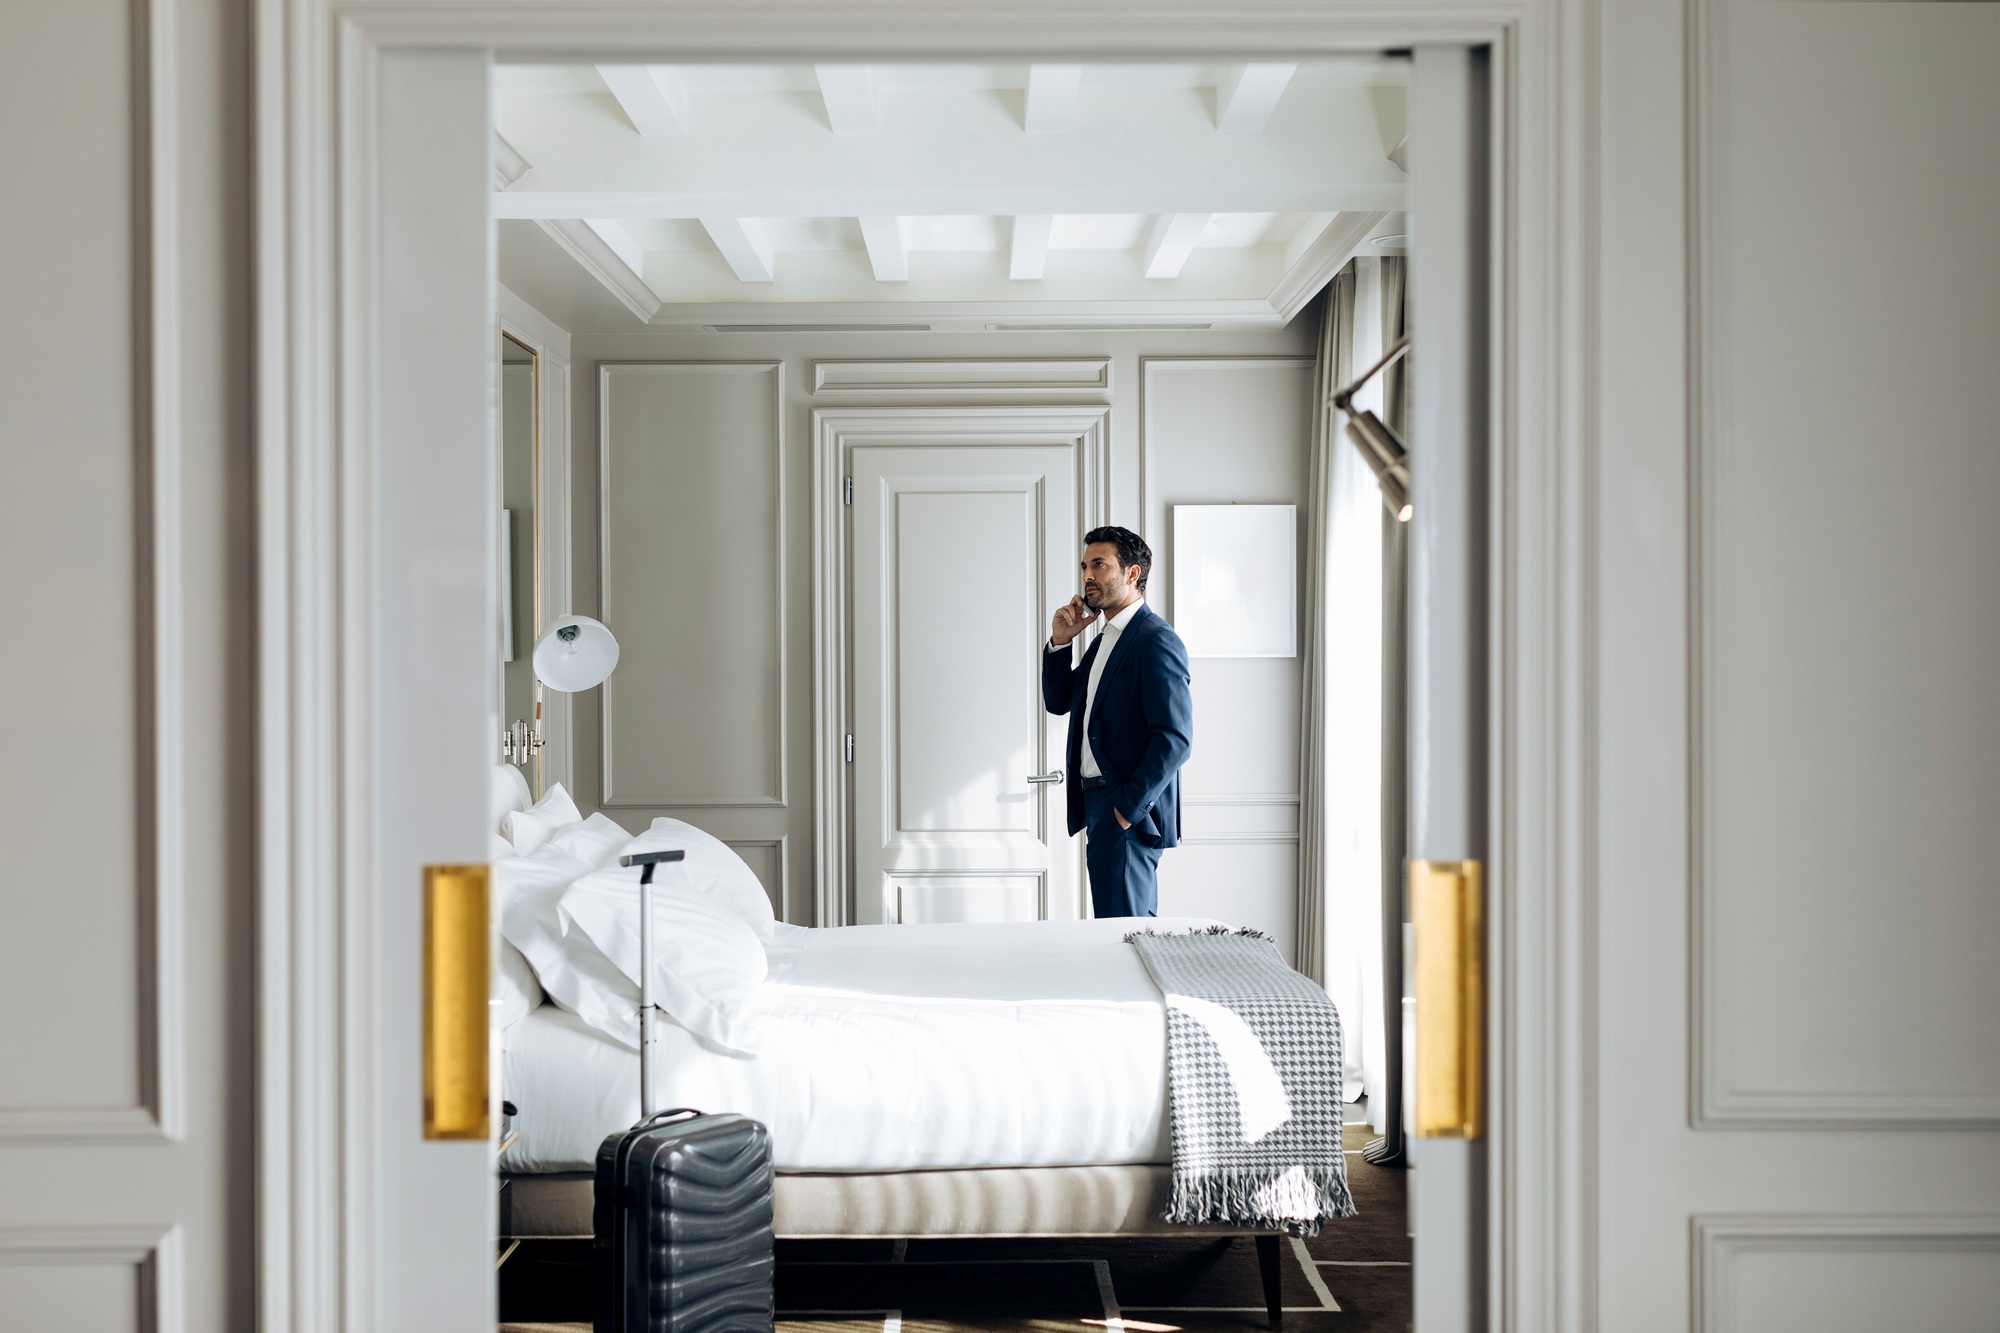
[{"x": 1042, "y": 1202}]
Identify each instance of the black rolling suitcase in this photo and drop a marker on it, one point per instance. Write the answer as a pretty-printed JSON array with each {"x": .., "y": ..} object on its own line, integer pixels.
[{"x": 682, "y": 1223}]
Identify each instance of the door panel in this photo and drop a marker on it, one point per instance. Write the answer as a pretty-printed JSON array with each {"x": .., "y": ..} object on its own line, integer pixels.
[
  {"x": 959, "y": 554},
  {"x": 927, "y": 898},
  {"x": 964, "y": 730},
  {"x": 433, "y": 549}
]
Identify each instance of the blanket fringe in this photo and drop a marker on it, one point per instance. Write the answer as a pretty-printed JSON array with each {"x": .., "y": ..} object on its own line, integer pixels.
[
  {"x": 1246, "y": 931},
  {"x": 1297, "y": 1201}
]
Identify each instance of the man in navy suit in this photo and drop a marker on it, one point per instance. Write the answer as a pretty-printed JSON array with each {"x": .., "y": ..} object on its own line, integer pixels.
[{"x": 1131, "y": 722}]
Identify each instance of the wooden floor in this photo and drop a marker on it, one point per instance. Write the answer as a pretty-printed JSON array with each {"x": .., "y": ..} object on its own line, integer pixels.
[{"x": 1355, "y": 1276}]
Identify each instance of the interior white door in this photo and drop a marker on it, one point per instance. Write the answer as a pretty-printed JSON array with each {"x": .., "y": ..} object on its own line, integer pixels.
[
  {"x": 960, "y": 553},
  {"x": 429, "y": 533},
  {"x": 1447, "y": 663}
]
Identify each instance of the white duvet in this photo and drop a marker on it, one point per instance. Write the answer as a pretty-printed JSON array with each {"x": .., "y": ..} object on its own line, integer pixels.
[{"x": 891, "y": 1048}]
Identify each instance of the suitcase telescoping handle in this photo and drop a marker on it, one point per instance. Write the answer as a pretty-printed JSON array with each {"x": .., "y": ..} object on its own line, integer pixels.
[{"x": 646, "y": 861}]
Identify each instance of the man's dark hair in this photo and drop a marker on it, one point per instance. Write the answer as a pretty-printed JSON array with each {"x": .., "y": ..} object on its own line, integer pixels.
[{"x": 1132, "y": 549}]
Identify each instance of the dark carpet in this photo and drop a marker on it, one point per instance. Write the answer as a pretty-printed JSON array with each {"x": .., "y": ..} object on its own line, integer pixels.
[{"x": 1354, "y": 1276}]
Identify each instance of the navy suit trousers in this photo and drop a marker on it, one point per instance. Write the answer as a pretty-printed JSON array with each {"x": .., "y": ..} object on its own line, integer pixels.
[{"x": 1124, "y": 872}]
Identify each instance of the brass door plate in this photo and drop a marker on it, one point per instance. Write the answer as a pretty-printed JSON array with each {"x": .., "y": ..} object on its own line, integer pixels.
[
  {"x": 1447, "y": 906},
  {"x": 457, "y": 981}
]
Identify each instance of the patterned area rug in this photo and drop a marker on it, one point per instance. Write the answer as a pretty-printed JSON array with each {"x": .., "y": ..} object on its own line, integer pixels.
[{"x": 1355, "y": 1276}]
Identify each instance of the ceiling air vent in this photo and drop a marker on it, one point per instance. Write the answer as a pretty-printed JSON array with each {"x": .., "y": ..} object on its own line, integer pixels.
[{"x": 816, "y": 328}]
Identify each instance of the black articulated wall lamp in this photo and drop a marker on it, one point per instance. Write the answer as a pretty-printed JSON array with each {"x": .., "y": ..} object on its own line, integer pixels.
[{"x": 1379, "y": 444}]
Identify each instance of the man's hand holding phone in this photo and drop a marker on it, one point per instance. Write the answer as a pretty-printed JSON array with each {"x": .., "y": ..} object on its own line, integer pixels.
[{"x": 1069, "y": 620}]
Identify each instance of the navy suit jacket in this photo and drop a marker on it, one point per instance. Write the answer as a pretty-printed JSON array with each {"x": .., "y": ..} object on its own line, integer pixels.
[{"x": 1141, "y": 730}]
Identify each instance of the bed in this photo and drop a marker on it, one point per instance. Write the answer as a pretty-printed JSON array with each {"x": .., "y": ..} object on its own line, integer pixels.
[{"x": 1005, "y": 1080}]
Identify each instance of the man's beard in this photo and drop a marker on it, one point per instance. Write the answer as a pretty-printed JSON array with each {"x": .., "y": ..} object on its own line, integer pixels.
[{"x": 1095, "y": 600}]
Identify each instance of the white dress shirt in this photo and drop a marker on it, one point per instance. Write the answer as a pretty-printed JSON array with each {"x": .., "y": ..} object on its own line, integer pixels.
[{"x": 1109, "y": 641}]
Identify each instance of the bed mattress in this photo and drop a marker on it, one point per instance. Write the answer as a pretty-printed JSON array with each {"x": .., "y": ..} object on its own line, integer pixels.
[{"x": 890, "y": 1048}]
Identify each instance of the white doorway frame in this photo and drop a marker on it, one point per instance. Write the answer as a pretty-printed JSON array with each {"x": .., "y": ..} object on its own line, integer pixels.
[
  {"x": 837, "y": 431},
  {"x": 315, "y": 62}
]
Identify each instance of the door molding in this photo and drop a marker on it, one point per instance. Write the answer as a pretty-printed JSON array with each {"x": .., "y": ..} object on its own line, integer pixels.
[
  {"x": 1721, "y": 1095},
  {"x": 314, "y": 61},
  {"x": 153, "y": 1253},
  {"x": 610, "y": 796},
  {"x": 158, "y": 1015},
  {"x": 1085, "y": 430},
  {"x": 1720, "y": 1240}
]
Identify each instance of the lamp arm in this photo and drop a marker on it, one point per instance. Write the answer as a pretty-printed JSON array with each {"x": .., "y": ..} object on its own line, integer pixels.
[{"x": 1341, "y": 397}]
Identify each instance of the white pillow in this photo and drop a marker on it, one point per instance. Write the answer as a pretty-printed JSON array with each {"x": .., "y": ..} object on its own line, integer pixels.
[
  {"x": 508, "y": 792},
  {"x": 516, "y": 993},
  {"x": 595, "y": 840},
  {"x": 712, "y": 868},
  {"x": 570, "y": 967},
  {"x": 530, "y": 828},
  {"x": 707, "y": 960}
]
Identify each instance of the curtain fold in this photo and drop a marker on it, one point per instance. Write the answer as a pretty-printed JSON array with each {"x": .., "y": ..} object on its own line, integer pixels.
[{"x": 1330, "y": 364}]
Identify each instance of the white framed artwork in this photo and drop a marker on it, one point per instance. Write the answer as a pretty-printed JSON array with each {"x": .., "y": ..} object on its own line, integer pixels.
[{"x": 1236, "y": 576}]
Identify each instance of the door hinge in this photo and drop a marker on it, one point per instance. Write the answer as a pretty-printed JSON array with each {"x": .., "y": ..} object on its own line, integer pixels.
[
  {"x": 847, "y": 490},
  {"x": 850, "y": 747}
]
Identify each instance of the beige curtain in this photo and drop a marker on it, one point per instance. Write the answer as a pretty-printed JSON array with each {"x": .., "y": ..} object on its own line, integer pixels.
[
  {"x": 1336, "y": 308},
  {"x": 1341, "y": 851}
]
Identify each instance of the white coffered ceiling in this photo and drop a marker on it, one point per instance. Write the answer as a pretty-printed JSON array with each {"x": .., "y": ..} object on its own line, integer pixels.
[{"x": 961, "y": 196}]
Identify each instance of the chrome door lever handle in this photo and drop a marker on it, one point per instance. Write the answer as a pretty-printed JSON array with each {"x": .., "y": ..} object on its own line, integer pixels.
[{"x": 1043, "y": 779}]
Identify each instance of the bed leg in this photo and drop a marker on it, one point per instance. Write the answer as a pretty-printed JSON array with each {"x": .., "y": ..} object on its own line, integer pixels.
[{"x": 1268, "y": 1268}]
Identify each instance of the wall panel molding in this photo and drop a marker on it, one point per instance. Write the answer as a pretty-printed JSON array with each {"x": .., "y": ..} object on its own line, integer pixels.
[
  {"x": 781, "y": 844},
  {"x": 836, "y": 431},
  {"x": 1152, "y": 366},
  {"x": 612, "y": 797},
  {"x": 920, "y": 379},
  {"x": 1718, "y": 1099},
  {"x": 153, "y": 1252},
  {"x": 159, "y": 897},
  {"x": 1722, "y": 1241}
]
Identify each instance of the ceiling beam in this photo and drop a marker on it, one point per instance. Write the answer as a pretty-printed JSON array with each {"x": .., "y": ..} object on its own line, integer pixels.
[
  {"x": 1051, "y": 98},
  {"x": 744, "y": 245},
  {"x": 888, "y": 254},
  {"x": 764, "y": 159},
  {"x": 1171, "y": 241},
  {"x": 508, "y": 164},
  {"x": 848, "y": 201},
  {"x": 1029, "y": 251},
  {"x": 603, "y": 250},
  {"x": 1245, "y": 99},
  {"x": 650, "y": 96},
  {"x": 849, "y": 94}
]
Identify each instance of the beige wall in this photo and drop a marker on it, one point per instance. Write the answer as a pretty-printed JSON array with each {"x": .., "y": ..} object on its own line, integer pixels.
[
  {"x": 718, "y": 678},
  {"x": 126, "y": 559}
]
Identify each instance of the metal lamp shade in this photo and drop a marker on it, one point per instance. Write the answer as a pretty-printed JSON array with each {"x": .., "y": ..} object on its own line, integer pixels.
[{"x": 577, "y": 653}]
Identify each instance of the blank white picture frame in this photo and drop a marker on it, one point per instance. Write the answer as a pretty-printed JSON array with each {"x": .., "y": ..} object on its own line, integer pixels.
[{"x": 1236, "y": 578}]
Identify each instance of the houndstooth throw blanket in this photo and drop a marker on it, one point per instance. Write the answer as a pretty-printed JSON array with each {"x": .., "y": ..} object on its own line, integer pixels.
[{"x": 1253, "y": 1083}]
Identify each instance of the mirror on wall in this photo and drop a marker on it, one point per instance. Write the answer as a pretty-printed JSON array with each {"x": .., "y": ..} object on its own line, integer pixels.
[{"x": 520, "y": 602}]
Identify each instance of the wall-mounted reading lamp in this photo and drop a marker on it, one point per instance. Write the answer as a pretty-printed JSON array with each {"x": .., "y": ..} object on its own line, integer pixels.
[
  {"x": 1381, "y": 446},
  {"x": 577, "y": 653}
]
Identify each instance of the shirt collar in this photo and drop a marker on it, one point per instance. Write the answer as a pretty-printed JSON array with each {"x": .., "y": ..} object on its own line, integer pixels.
[{"x": 1124, "y": 618}]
